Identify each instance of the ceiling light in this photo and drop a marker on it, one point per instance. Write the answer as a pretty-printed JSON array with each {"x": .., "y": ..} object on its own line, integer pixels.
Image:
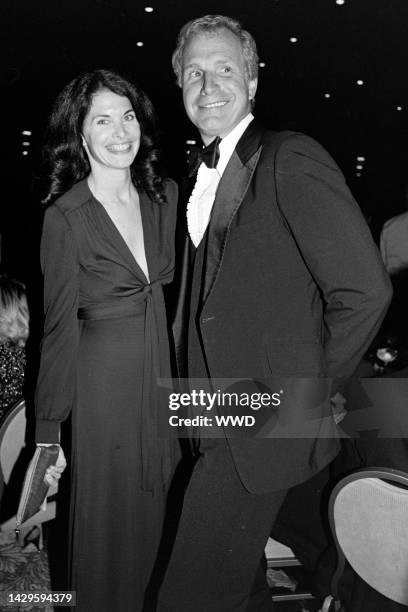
[
  {"x": 139, "y": 43},
  {"x": 360, "y": 158},
  {"x": 327, "y": 95},
  {"x": 25, "y": 152},
  {"x": 191, "y": 142},
  {"x": 262, "y": 64},
  {"x": 339, "y": 2},
  {"x": 148, "y": 9},
  {"x": 399, "y": 108},
  {"x": 358, "y": 173},
  {"x": 26, "y": 133},
  {"x": 293, "y": 39},
  {"x": 26, "y": 143},
  {"x": 359, "y": 167},
  {"x": 360, "y": 82}
]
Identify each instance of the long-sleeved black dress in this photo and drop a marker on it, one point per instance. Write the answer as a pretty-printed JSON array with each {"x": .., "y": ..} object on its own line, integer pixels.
[{"x": 105, "y": 344}]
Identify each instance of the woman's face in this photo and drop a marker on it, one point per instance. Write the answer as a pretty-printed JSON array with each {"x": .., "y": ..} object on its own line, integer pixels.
[{"x": 110, "y": 132}]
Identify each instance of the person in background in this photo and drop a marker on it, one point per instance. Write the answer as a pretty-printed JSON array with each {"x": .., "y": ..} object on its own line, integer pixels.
[
  {"x": 394, "y": 242},
  {"x": 394, "y": 251},
  {"x": 14, "y": 330},
  {"x": 281, "y": 279},
  {"x": 106, "y": 251}
]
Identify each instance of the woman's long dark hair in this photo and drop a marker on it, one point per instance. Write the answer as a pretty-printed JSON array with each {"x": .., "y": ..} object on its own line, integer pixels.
[{"x": 65, "y": 159}]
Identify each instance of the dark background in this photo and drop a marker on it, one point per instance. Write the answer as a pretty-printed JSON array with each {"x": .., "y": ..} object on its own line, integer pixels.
[{"x": 47, "y": 43}]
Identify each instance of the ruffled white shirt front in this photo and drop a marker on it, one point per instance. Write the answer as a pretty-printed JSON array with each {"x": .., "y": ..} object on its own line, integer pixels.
[{"x": 202, "y": 198}]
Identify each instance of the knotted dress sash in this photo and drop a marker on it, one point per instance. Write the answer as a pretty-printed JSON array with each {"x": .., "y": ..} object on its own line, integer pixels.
[{"x": 157, "y": 458}]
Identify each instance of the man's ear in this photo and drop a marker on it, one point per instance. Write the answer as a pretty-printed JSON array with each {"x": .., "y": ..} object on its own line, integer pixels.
[{"x": 252, "y": 85}]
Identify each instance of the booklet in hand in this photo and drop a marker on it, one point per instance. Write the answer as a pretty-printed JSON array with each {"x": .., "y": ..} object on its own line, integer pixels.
[{"x": 35, "y": 486}]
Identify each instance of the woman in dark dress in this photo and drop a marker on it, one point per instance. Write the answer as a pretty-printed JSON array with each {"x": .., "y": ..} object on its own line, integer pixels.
[{"x": 107, "y": 249}]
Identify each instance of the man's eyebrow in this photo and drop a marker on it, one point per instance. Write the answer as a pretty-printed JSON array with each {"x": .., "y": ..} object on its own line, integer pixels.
[
  {"x": 221, "y": 60},
  {"x": 190, "y": 65}
]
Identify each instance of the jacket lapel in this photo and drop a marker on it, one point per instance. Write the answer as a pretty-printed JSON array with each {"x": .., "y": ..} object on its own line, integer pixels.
[{"x": 230, "y": 194}]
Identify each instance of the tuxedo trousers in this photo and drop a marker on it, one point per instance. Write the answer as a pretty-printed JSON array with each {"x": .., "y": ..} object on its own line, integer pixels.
[{"x": 220, "y": 542}]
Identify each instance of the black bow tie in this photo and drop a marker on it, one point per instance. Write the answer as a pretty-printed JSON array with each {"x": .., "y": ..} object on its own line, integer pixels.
[{"x": 209, "y": 155}]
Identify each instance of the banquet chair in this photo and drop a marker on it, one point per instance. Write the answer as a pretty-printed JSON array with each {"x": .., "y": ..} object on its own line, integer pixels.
[
  {"x": 368, "y": 514},
  {"x": 12, "y": 444}
]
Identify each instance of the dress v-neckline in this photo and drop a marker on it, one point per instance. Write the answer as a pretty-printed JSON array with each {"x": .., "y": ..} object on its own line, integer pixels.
[{"x": 121, "y": 238}]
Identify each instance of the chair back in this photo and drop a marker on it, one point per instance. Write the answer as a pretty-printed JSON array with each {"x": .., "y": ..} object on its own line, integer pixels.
[
  {"x": 12, "y": 447},
  {"x": 368, "y": 513},
  {"x": 12, "y": 438}
]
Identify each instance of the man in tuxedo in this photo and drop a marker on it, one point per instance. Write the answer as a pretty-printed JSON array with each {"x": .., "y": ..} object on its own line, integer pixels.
[{"x": 279, "y": 278}]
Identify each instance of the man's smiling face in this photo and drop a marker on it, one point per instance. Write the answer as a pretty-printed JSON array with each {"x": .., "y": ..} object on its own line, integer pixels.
[{"x": 216, "y": 91}]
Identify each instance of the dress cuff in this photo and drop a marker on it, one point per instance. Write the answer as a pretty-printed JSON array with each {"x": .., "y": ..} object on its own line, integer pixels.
[{"x": 47, "y": 432}]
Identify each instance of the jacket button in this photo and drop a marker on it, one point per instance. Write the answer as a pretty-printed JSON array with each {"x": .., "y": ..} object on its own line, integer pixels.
[{"x": 206, "y": 319}]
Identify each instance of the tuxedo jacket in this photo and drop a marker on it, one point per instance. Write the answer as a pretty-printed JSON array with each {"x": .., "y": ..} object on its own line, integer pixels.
[{"x": 291, "y": 285}]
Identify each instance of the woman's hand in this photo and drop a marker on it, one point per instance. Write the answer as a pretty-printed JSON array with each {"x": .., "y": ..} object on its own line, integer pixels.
[{"x": 53, "y": 473}]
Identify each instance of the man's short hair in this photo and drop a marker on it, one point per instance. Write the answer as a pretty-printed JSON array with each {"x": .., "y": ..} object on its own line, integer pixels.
[{"x": 210, "y": 24}]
